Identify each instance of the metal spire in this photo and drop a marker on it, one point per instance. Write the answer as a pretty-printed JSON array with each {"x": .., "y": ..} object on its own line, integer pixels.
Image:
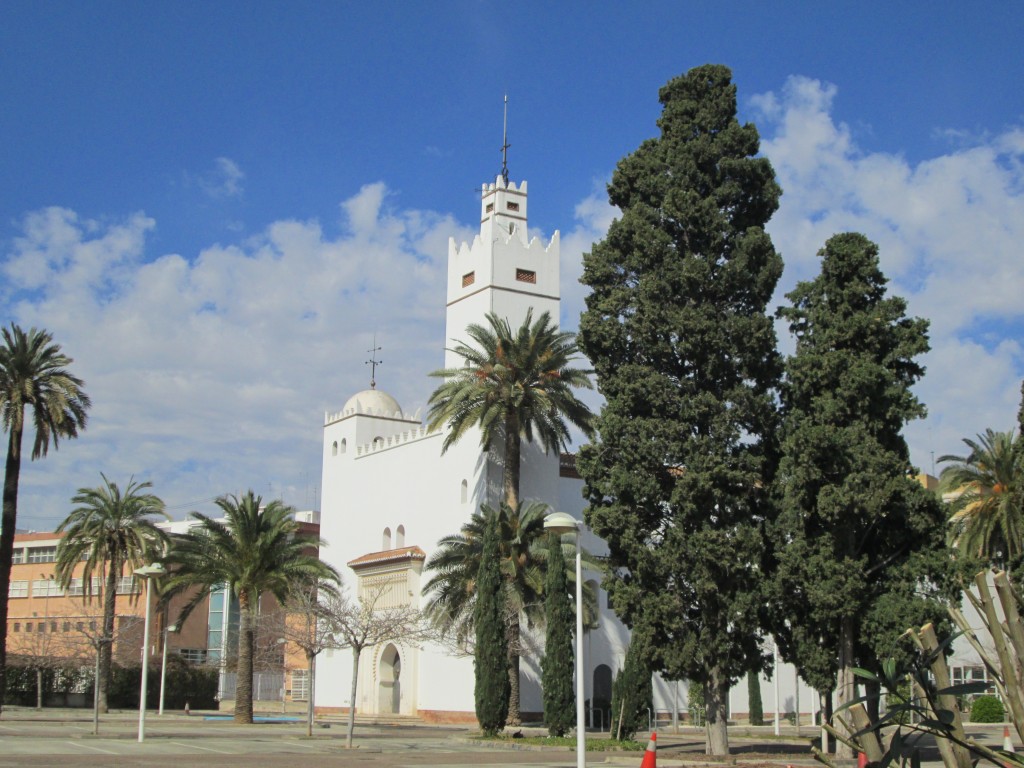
[
  {"x": 373, "y": 362},
  {"x": 505, "y": 145}
]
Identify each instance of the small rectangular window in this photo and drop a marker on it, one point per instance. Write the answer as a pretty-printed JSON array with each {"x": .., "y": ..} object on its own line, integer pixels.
[
  {"x": 526, "y": 276},
  {"x": 18, "y": 589},
  {"x": 512, "y": 206},
  {"x": 42, "y": 554},
  {"x": 18, "y": 557},
  {"x": 17, "y": 626},
  {"x": 468, "y": 279},
  {"x": 490, "y": 207}
]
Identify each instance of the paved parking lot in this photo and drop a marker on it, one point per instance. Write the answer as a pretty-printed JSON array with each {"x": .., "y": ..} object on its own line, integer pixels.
[{"x": 64, "y": 738}]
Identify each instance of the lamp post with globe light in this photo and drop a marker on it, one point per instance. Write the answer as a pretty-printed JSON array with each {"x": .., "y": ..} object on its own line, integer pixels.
[
  {"x": 562, "y": 523},
  {"x": 147, "y": 572}
]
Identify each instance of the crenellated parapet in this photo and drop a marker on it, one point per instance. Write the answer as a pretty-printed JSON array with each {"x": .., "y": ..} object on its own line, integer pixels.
[
  {"x": 379, "y": 413},
  {"x": 393, "y": 441}
]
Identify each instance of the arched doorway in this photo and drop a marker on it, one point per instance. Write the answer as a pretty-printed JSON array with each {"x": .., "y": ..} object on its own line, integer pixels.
[
  {"x": 389, "y": 696},
  {"x": 602, "y": 697}
]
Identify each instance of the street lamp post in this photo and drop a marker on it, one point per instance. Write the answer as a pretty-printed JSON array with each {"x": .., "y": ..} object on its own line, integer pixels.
[
  {"x": 163, "y": 665},
  {"x": 147, "y": 572},
  {"x": 562, "y": 523}
]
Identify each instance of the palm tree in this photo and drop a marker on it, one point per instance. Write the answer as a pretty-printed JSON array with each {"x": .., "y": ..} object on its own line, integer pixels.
[
  {"x": 33, "y": 375},
  {"x": 108, "y": 530},
  {"x": 253, "y": 550},
  {"x": 987, "y": 507},
  {"x": 512, "y": 387},
  {"x": 523, "y": 548}
]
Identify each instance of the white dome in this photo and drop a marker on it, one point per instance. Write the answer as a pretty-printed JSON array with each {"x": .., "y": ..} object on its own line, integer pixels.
[{"x": 375, "y": 402}]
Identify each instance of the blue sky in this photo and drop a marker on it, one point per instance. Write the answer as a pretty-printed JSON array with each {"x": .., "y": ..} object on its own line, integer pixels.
[{"x": 214, "y": 207}]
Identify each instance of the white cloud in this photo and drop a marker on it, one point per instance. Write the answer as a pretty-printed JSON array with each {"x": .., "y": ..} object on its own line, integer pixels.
[
  {"x": 948, "y": 229},
  {"x": 209, "y": 372},
  {"x": 212, "y": 375},
  {"x": 224, "y": 181}
]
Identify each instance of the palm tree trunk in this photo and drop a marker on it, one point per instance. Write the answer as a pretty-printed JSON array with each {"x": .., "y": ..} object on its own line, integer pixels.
[
  {"x": 10, "y": 514},
  {"x": 513, "y": 449},
  {"x": 107, "y": 649},
  {"x": 515, "y": 717},
  {"x": 243, "y": 687}
]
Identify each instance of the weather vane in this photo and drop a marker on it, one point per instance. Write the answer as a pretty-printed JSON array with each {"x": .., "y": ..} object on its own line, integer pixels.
[
  {"x": 373, "y": 362},
  {"x": 505, "y": 145}
]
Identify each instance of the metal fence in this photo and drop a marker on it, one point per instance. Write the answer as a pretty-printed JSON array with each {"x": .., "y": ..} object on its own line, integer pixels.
[{"x": 266, "y": 686}]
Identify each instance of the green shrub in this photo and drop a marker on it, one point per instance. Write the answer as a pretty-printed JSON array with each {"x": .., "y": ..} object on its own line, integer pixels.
[{"x": 987, "y": 709}]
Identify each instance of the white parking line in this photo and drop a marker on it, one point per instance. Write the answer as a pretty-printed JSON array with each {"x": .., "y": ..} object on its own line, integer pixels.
[
  {"x": 90, "y": 746},
  {"x": 196, "y": 746}
]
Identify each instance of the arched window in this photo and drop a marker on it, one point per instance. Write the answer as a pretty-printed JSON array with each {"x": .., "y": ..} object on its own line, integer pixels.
[
  {"x": 334, "y": 448},
  {"x": 464, "y": 493},
  {"x": 399, "y": 537},
  {"x": 344, "y": 445},
  {"x": 603, "y": 684},
  {"x": 378, "y": 442},
  {"x": 387, "y": 539}
]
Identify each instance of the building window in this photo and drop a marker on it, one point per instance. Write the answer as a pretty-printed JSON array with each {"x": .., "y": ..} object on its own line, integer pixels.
[
  {"x": 18, "y": 589},
  {"x": 526, "y": 276},
  {"x": 334, "y": 448},
  {"x": 300, "y": 685},
  {"x": 77, "y": 587},
  {"x": 46, "y": 588},
  {"x": 28, "y": 626},
  {"x": 386, "y": 540},
  {"x": 512, "y": 206},
  {"x": 490, "y": 207},
  {"x": 193, "y": 655},
  {"x": 17, "y": 626},
  {"x": 399, "y": 537},
  {"x": 468, "y": 279},
  {"x": 42, "y": 554},
  {"x": 464, "y": 492},
  {"x": 126, "y": 585},
  {"x": 344, "y": 445},
  {"x": 67, "y": 626},
  {"x": 18, "y": 557}
]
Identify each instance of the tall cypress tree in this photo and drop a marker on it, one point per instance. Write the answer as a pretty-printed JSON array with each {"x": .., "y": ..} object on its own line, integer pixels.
[
  {"x": 632, "y": 691},
  {"x": 557, "y": 665},
  {"x": 861, "y": 552},
  {"x": 755, "y": 705},
  {"x": 490, "y": 654},
  {"x": 677, "y": 331}
]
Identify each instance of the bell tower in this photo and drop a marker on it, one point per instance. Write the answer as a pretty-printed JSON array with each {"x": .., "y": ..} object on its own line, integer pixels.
[{"x": 502, "y": 270}]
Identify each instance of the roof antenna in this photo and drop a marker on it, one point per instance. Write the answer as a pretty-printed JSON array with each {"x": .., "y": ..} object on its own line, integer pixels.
[
  {"x": 373, "y": 362},
  {"x": 505, "y": 145}
]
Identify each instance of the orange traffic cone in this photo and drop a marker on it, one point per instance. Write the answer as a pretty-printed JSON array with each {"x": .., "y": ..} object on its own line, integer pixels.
[
  {"x": 651, "y": 754},
  {"x": 1007, "y": 743}
]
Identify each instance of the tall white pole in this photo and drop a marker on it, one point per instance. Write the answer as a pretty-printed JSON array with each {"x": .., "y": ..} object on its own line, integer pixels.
[
  {"x": 778, "y": 714},
  {"x": 145, "y": 665},
  {"x": 581, "y": 727},
  {"x": 163, "y": 673}
]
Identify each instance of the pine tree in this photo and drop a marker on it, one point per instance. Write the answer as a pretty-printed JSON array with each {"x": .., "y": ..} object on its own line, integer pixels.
[
  {"x": 677, "y": 331},
  {"x": 557, "y": 665},
  {"x": 861, "y": 545},
  {"x": 632, "y": 691},
  {"x": 490, "y": 659}
]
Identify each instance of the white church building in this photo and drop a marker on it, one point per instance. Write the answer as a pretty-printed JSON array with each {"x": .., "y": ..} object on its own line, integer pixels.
[{"x": 389, "y": 495}]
